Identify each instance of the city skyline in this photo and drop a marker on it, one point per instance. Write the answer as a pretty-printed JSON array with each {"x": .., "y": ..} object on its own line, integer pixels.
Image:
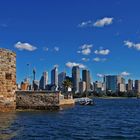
[{"x": 66, "y": 34}]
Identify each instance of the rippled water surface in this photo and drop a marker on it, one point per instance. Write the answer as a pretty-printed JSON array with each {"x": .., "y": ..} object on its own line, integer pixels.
[{"x": 109, "y": 119}]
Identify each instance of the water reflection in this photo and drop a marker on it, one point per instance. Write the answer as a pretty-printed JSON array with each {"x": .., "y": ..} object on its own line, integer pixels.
[{"x": 7, "y": 131}]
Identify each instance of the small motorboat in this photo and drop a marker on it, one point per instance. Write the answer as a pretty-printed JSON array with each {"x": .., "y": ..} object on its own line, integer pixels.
[{"x": 86, "y": 101}]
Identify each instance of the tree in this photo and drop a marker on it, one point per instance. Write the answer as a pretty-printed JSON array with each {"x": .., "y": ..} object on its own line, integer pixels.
[{"x": 66, "y": 84}]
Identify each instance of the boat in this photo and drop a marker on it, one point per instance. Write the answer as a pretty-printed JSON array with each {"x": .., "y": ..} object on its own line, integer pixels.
[{"x": 86, "y": 101}]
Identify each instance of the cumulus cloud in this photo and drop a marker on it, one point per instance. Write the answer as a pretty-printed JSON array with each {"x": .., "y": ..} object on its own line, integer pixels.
[
  {"x": 97, "y": 59},
  {"x": 103, "y": 22},
  {"x": 130, "y": 44},
  {"x": 125, "y": 73},
  {"x": 85, "y": 23},
  {"x": 102, "y": 52},
  {"x": 85, "y": 59},
  {"x": 25, "y": 46},
  {"x": 100, "y": 75},
  {"x": 99, "y": 23},
  {"x": 56, "y": 49},
  {"x": 71, "y": 64},
  {"x": 85, "y": 49}
]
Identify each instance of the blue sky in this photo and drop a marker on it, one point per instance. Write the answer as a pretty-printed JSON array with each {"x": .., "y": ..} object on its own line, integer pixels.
[{"x": 101, "y": 35}]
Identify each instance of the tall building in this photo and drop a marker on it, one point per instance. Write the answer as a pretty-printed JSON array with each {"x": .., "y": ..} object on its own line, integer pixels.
[
  {"x": 137, "y": 86},
  {"x": 43, "y": 81},
  {"x": 61, "y": 78},
  {"x": 75, "y": 78},
  {"x": 86, "y": 78},
  {"x": 82, "y": 86},
  {"x": 54, "y": 77},
  {"x": 111, "y": 83},
  {"x": 99, "y": 86},
  {"x": 121, "y": 87},
  {"x": 130, "y": 85},
  {"x": 115, "y": 83}
]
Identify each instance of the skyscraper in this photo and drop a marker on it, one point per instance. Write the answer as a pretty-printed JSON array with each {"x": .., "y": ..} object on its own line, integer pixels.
[
  {"x": 61, "y": 78},
  {"x": 43, "y": 81},
  {"x": 130, "y": 85},
  {"x": 114, "y": 83},
  {"x": 86, "y": 78},
  {"x": 75, "y": 78},
  {"x": 54, "y": 77},
  {"x": 137, "y": 86},
  {"x": 111, "y": 83},
  {"x": 82, "y": 86}
]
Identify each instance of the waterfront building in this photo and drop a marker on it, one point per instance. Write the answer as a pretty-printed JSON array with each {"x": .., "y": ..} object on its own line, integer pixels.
[
  {"x": 54, "y": 77},
  {"x": 35, "y": 85},
  {"x": 137, "y": 86},
  {"x": 82, "y": 86},
  {"x": 130, "y": 85},
  {"x": 111, "y": 83},
  {"x": 75, "y": 78},
  {"x": 61, "y": 78},
  {"x": 114, "y": 83},
  {"x": 121, "y": 87},
  {"x": 86, "y": 78},
  {"x": 43, "y": 81},
  {"x": 99, "y": 86}
]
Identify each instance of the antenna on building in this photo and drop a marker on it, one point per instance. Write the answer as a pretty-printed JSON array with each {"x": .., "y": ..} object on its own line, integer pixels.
[
  {"x": 28, "y": 72},
  {"x": 34, "y": 73}
]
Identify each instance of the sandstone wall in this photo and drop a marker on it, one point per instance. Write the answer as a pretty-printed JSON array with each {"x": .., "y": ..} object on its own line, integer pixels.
[
  {"x": 37, "y": 100},
  {"x": 7, "y": 80}
]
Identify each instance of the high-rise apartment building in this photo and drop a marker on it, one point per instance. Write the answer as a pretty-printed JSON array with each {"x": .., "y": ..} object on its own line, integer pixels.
[
  {"x": 54, "y": 77},
  {"x": 43, "y": 81},
  {"x": 82, "y": 86},
  {"x": 61, "y": 78},
  {"x": 130, "y": 85},
  {"x": 137, "y": 86},
  {"x": 86, "y": 78},
  {"x": 115, "y": 83},
  {"x": 75, "y": 78}
]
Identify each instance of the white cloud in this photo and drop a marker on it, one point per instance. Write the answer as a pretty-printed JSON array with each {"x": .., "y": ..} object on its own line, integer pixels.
[
  {"x": 125, "y": 73},
  {"x": 100, "y": 75},
  {"x": 71, "y": 64},
  {"x": 85, "y": 46},
  {"x": 85, "y": 49},
  {"x": 97, "y": 59},
  {"x": 46, "y": 49},
  {"x": 85, "y": 24},
  {"x": 130, "y": 44},
  {"x": 56, "y": 49},
  {"x": 78, "y": 51},
  {"x": 103, "y": 22},
  {"x": 85, "y": 59},
  {"x": 25, "y": 46},
  {"x": 102, "y": 52},
  {"x": 56, "y": 66}
]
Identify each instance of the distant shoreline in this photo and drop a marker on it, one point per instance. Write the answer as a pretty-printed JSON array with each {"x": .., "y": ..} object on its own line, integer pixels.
[
  {"x": 115, "y": 97},
  {"x": 110, "y": 97}
]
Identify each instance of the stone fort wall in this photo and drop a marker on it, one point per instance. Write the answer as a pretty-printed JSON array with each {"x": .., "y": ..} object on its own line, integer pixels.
[
  {"x": 7, "y": 80},
  {"x": 37, "y": 100}
]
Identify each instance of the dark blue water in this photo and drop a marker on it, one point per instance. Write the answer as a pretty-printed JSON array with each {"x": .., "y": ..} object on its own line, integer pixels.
[{"x": 109, "y": 119}]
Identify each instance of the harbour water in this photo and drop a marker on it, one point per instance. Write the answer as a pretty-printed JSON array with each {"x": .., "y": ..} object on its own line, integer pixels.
[{"x": 109, "y": 119}]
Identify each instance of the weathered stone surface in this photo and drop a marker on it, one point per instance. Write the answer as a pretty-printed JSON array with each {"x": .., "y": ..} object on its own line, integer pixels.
[
  {"x": 7, "y": 80},
  {"x": 37, "y": 100}
]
